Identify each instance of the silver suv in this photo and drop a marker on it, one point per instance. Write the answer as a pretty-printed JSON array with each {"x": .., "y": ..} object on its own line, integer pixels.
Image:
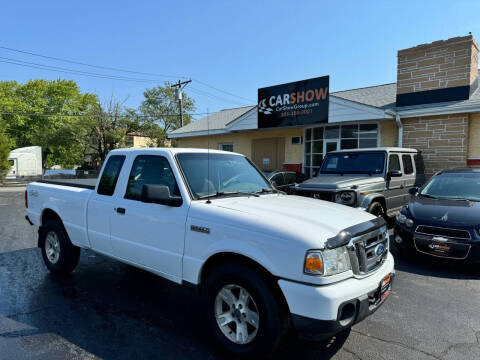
[{"x": 376, "y": 179}]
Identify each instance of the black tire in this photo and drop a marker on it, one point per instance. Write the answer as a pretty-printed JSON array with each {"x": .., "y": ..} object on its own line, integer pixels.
[
  {"x": 68, "y": 254},
  {"x": 376, "y": 209},
  {"x": 273, "y": 320}
]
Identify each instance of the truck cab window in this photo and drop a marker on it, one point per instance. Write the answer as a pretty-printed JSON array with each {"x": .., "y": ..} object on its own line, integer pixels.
[
  {"x": 109, "y": 178},
  {"x": 150, "y": 170},
  {"x": 407, "y": 164},
  {"x": 394, "y": 163}
]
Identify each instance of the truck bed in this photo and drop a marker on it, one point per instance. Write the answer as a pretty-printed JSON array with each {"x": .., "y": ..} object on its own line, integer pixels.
[{"x": 79, "y": 183}]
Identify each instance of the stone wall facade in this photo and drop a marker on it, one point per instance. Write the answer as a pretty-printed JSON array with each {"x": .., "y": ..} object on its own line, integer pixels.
[
  {"x": 474, "y": 138},
  {"x": 442, "y": 139},
  {"x": 441, "y": 64}
]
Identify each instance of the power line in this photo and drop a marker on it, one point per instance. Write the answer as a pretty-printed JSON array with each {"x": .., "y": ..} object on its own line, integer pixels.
[
  {"x": 71, "y": 71},
  {"x": 104, "y": 76},
  {"x": 211, "y": 96},
  {"x": 122, "y": 70},
  {"x": 223, "y": 91},
  {"x": 90, "y": 65},
  {"x": 92, "y": 115}
]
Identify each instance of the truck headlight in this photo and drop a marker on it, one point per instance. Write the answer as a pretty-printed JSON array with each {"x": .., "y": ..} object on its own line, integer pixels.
[
  {"x": 345, "y": 197},
  {"x": 327, "y": 262}
]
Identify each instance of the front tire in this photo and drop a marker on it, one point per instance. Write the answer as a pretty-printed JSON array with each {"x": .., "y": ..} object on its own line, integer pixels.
[
  {"x": 244, "y": 316},
  {"x": 377, "y": 210},
  {"x": 59, "y": 254}
]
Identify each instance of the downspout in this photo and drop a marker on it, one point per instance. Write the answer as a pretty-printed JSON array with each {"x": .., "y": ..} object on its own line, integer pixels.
[
  {"x": 399, "y": 125},
  {"x": 400, "y": 129}
]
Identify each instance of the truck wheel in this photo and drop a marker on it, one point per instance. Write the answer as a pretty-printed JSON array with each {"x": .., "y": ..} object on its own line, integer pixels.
[
  {"x": 59, "y": 254},
  {"x": 376, "y": 209},
  {"x": 243, "y": 314}
]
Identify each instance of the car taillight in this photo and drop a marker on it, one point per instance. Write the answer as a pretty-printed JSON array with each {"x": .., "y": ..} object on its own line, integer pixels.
[{"x": 26, "y": 199}]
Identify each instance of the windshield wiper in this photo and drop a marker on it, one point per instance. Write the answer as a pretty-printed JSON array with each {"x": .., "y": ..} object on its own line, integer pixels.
[
  {"x": 226, "y": 193},
  {"x": 429, "y": 196},
  {"x": 462, "y": 199},
  {"x": 266, "y": 191}
]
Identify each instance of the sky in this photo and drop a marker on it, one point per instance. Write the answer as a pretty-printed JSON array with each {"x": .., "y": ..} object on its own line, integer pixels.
[{"x": 228, "y": 48}]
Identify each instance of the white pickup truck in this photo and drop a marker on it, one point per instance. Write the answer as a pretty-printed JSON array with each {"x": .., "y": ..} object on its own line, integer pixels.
[{"x": 264, "y": 261}]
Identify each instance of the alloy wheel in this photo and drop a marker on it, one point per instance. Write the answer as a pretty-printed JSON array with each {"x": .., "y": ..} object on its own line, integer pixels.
[
  {"x": 52, "y": 247},
  {"x": 237, "y": 314}
]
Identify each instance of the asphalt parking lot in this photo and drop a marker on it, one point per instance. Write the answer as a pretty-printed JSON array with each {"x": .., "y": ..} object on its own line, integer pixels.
[{"x": 109, "y": 310}]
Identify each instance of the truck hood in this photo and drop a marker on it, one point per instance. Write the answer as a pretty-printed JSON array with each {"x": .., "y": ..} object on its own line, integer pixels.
[
  {"x": 333, "y": 183},
  {"x": 289, "y": 217}
]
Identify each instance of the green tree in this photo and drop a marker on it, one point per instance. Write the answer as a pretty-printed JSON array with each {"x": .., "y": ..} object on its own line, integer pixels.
[
  {"x": 63, "y": 137},
  {"x": 5, "y": 146},
  {"x": 109, "y": 125},
  {"x": 160, "y": 107}
]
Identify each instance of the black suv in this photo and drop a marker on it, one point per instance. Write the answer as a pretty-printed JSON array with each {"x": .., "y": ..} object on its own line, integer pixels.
[{"x": 442, "y": 218}]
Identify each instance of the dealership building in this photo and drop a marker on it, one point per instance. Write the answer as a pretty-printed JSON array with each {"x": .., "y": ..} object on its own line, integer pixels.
[{"x": 434, "y": 107}]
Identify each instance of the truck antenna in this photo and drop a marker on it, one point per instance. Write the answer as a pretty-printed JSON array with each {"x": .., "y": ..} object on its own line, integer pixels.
[{"x": 208, "y": 158}]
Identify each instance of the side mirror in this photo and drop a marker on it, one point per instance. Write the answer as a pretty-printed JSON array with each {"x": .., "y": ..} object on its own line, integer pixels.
[
  {"x": 160, "y": 194},
  {"x": 413, "y": 191},
  {"x": 394, "y": 173}
]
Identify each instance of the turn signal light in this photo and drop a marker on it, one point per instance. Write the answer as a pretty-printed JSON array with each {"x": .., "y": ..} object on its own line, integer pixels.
[{"x": 313, "y": 264}]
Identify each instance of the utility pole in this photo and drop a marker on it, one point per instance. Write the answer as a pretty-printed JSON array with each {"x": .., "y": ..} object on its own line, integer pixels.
[{"x": 178, "y": 96}]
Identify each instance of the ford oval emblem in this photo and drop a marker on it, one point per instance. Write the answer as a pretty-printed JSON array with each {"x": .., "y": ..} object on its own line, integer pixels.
[{"x": 379, "y": 250}]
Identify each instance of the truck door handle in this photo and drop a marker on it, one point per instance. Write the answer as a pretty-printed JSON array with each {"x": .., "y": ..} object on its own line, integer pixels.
[{"x": 120, "y": 210}]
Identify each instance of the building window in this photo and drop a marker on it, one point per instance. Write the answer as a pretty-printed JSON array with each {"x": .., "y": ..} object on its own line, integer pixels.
[
  {"x": 225, "y": 147},
  {"x": 296, "y": 140},
  {"x": 353, "y": 136}
]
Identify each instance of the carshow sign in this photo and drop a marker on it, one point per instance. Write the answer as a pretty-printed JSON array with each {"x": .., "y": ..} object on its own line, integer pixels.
[{"x": 297, "y": 103}]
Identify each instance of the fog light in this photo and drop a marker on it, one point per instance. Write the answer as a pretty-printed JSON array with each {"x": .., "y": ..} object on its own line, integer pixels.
[{"x": 398, "y": 239}]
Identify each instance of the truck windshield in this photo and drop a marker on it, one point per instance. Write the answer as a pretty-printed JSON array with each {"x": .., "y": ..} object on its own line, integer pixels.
[
  {"x": 229, "y": 175},
  {"x": 353, "y": 163},
  {"x": 455, "y": 186}
]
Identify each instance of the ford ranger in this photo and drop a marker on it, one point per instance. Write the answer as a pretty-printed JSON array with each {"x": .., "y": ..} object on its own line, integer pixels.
[{"x": 263, "y": 261}]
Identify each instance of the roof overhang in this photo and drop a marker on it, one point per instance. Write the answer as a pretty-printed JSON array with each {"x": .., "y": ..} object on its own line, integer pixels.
[
  {"x": 340, "y": 110},
  {"x": 197, "y": 133},
  {"x": 455, "y": 108}
]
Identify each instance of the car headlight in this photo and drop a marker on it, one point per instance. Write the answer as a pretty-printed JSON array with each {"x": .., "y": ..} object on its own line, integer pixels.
[
  {"x": 345, "y": 197},
  {"x": 327, "y": 262},
  {"x": 402, "y": 219}
]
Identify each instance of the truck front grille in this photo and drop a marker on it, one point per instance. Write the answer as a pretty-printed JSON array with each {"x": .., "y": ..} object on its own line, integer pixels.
[{"x": 368, "y": 251}]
